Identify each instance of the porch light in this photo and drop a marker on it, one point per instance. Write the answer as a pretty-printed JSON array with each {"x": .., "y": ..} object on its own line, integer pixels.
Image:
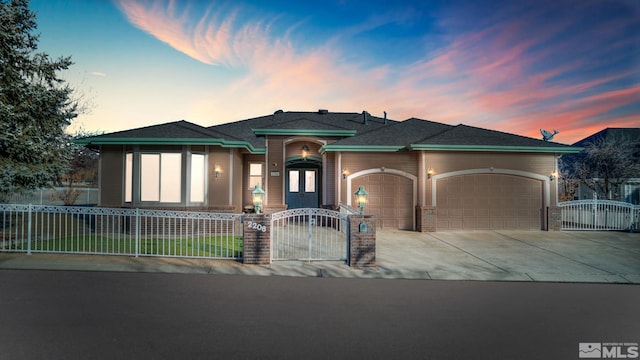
[
  {"x": 258, "y": 196},
  {"x": 361, "y": 198},
  {"x": 429, "y": 172},
  {"x": 553, "y": 175},
  {"x": 305, "y": 152},
  {"x": 345, "y": 173},
  {"x": 218, "y": 171}
]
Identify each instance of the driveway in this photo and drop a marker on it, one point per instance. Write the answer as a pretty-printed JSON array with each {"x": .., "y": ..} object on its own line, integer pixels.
[{"x": 511, "y": 255}]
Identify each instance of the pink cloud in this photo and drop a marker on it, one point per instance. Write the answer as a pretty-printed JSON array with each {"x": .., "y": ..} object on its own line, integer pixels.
[{"x": 492, "y": 78}]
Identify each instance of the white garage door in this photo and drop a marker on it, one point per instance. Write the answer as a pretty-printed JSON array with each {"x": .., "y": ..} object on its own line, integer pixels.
[
  {"x": 488, "y": 201},
  {"x": 390, "y": 199}
]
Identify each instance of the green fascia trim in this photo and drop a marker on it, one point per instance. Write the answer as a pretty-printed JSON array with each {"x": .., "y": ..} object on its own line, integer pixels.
[
  {"x": 361, "y": 148},
  {"x": 496, "y": 148},
  {"x": 171, "y": 141},
  {"x": 304, "y": 132}
]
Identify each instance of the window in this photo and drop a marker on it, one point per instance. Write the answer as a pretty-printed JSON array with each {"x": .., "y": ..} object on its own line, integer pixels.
[
  {"x": 309, "y": 181},
  {"x": 160, "y": 178},
  {"x": 197, "y": 178},
  {"x": 294, "y": 181},
  {"x": 128, "y": 176},
  {"x": 255, "y": 175}
]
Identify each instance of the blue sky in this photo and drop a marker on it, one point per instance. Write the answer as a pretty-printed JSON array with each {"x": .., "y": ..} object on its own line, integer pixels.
[{"x": 504, "y": 65}]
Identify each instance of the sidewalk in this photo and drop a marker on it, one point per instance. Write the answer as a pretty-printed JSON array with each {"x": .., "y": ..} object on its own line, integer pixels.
[{"x": 476, "y": 255}]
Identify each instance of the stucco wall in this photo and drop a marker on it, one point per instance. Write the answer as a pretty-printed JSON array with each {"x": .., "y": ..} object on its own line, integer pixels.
[
  {"x": 441, "y": 163},
  {"x": 111, "y": 176},
  {"x": 358, "y": 161}
]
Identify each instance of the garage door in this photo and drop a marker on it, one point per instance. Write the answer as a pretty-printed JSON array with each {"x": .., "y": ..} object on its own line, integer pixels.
[
  {"x": 488, "y": 201},
  {"x": 390, "y": 199}
]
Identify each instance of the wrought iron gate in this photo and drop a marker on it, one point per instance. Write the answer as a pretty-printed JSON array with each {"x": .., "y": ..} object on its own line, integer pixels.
[{"x": 309, "y": 234}]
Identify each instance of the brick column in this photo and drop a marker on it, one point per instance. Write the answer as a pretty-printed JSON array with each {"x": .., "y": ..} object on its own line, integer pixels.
[
  {"x": 426, "y": 218},
  {"x": 555, "y": 218},
  {"x": 362, "y": 241},
  {"x": 257, "y": 241}
]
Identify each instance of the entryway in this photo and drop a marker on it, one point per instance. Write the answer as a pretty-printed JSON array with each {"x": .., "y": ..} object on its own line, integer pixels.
[
  {"x": 309, "y": 234},
  {"x": 303, "y": 185}
]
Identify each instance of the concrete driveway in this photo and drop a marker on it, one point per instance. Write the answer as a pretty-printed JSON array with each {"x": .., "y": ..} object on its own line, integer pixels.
[{"x": 582, "y": 256}]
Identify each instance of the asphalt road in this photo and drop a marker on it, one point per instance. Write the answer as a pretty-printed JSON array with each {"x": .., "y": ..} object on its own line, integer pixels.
[{"x": 103, "y": 315}]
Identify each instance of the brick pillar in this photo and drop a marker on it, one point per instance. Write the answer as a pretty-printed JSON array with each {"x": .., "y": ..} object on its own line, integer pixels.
[
  {"x": 426, "y": 218},
  {"x": 362, "y": 241},
  {"x": 257, "y": 241},
  {"x": 555, "y": 218}
]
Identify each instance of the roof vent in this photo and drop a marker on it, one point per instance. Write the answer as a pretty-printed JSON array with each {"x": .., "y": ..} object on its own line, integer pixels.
[
  {"x": 323, "y": 111},
  {"x": 365, "y": 117},
  {"x": 385, "y": 117},
  {"x": 278, "y": 111}
]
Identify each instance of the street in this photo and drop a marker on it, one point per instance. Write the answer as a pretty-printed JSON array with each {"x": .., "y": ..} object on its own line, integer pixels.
[{"x": 107, "y": 315}]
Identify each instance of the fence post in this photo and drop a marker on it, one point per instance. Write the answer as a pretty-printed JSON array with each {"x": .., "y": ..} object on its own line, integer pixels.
[
  {"x": 257, "y": 239},
  {"x": 137, "y": 231},
  {"x": 362, "y": 241},
  {"x": 29, "y": 230},
  {"x": 310, "y": 234}
]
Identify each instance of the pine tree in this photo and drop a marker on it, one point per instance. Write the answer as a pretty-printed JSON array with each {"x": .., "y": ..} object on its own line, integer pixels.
[{"x": 35, "y": 105}]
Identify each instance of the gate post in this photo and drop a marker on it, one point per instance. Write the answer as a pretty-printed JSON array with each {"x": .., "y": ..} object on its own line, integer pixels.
[
  {"x": 362, "y": 241},
  {"x": 257, "y": 239},
  {"x": 555, "y": 218}
]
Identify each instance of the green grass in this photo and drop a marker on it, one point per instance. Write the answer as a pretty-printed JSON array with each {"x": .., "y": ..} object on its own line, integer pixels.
[{"x": 205, "y": 246}]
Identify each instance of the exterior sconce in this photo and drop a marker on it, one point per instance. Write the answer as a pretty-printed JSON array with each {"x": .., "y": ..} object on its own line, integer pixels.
[
  {"x": 258, "y": 197},
  {"x": 305, "y": 152},
  {"x": 345, "y": 173},
  {"x": 218, "y": 171},
  {"x": 553, "y": 175},
  {"x": 361, "y": 198},
  {"x": 429, "y": 172}
]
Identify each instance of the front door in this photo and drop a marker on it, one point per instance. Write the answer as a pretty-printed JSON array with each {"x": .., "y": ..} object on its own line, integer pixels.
[{"x": 302, "y": 188}]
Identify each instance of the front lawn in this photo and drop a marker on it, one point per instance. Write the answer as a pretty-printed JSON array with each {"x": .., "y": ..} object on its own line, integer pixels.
[{"x": 199, "y": 246}]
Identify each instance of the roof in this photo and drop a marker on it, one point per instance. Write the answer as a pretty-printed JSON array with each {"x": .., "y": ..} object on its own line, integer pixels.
[
  {"x": 352, "y": 131},
  {"x": 608, "y": 133}
]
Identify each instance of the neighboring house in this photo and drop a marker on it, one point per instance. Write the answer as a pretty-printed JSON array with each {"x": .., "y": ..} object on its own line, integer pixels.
[
  {"x": 629, "y": 191},
  {"x": 420, "y": 175}
]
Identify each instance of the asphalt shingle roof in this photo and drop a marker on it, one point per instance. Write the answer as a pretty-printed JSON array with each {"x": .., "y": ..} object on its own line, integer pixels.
[{"x": 374, "y": 132}]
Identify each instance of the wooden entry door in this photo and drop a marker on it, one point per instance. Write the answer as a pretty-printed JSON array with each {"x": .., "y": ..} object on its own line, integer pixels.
[{"x": 303, "y": 189}]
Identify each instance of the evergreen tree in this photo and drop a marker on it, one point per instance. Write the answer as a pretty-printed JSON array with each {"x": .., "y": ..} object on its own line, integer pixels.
[{"x": 35, "y": 105}]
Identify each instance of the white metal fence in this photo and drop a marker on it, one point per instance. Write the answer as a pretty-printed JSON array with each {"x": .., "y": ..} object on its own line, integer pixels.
[
  {"x": 112, "y": 231},
  {"x": 54, "y": 196},
  {"x": 599, "y": 215},
  {"x": 309, "y": 234}
]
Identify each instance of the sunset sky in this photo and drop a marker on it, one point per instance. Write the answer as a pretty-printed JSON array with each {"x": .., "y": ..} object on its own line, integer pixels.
[{"x": 513, "y": 66}]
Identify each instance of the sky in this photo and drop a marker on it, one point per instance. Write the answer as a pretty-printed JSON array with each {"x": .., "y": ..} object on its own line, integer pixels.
[{"x": 512, "y": 66}]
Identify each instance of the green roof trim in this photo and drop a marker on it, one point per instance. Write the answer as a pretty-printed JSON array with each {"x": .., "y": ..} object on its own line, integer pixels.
[
  {"x": 497, "y": 148},
  {"x": 307, "y": 132},
  {"x": 361, "y": 148},
  {"x": 170, "y": 141}
]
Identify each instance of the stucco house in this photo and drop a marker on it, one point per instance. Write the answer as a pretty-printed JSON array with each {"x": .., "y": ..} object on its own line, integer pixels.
[{"x": 420, "y": 175}]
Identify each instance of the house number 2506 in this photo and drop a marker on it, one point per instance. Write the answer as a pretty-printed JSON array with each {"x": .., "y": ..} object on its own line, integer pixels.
[{"x": 256, "y": 226}]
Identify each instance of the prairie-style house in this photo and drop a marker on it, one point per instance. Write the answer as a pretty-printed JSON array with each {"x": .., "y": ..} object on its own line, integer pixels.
[{"x": 420, "y": 175}]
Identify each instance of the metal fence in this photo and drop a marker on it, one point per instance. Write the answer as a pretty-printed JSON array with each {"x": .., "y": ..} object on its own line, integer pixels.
[
  {"x": 309, "y": 234},
  {"x": 112, "y": 231},
  {"x": 599, "y": 215}
]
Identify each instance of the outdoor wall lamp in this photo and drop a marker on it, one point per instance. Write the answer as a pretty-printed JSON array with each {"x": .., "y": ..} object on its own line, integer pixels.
[
  {"x": 553, "y": 175},
  {"x": 305, "y": 152},
  {"x": 361, "y": 198},
  {"x": 429, "y": 172},
  {"x": 345, "y": 173},
  {"x": 218, "y": 171},
  {"x": 258, "y": 197}
]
